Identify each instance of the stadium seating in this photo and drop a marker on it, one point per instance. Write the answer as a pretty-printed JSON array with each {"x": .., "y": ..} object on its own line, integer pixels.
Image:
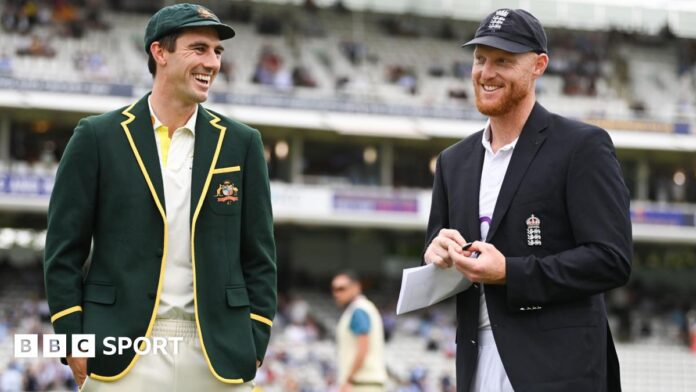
[{"x": 365, "y": 80}]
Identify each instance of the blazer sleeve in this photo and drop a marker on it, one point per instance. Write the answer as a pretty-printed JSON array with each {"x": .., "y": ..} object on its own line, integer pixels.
[
  {"x": 597, "y": 204},
  {"x": 439, "y": 214},
  {"x": 258, "y": 253},
  {"x": 69, "y": 234}
]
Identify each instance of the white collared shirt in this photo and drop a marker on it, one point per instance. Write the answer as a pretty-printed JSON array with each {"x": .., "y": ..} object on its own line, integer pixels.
[
  {"x": 495, "y": 166},
  {"x": 177, "y": 289}
]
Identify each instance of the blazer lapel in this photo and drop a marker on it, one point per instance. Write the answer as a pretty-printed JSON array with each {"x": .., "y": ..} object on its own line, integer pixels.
[
  {"x": 531, "y": 138},
  {"x": 473, "y": 167},
  {"x": 209, "y": 136},
  {"x": 141, "y": 137}
]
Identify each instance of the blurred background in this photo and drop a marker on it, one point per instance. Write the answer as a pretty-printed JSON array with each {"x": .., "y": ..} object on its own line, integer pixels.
[{"x": 354, "y": 100}]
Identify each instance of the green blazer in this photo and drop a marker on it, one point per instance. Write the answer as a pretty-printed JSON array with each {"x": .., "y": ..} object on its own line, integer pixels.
[{"x": 108, "y": 193}]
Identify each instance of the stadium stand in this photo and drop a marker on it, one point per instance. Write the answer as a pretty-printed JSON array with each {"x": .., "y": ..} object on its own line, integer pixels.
[{"x": 364, "y": 59}]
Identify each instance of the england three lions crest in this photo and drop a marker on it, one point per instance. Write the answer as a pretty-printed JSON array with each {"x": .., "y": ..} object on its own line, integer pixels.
[{"x": 227, "y": 193}]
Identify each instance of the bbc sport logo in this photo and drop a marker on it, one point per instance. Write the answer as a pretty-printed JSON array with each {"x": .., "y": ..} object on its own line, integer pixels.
[{"x": 83, "y": 345}]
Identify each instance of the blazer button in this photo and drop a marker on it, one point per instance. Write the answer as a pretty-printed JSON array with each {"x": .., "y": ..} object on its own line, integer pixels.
[
  {"x": 473, "y": 342},
  {"x": 151, "y": 295}
]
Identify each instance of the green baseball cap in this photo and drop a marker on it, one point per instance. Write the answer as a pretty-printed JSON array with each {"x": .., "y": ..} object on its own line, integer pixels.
[{"x": 179, "y": 16}]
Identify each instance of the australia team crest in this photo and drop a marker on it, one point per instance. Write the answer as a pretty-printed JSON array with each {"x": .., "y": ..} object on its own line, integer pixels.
[{"x": 227, "y": 193}]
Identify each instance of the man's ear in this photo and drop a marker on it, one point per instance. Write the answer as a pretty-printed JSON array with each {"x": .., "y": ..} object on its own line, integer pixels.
[
  {"x": 540, "y": 64},
  {"x": 157, "y": 52}
]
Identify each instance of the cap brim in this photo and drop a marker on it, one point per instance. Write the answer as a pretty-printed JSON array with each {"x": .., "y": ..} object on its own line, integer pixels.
[
  {"x": 224, "y": 31},
  {"x": 499, "y": 43}
]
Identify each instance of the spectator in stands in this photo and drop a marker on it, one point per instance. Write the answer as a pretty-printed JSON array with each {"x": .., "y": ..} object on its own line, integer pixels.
[
  {"x": 354, "y": 51},
  {"x": 270, "y": 71},
  {"x": 92, "y": 65},
  {"x": 404, "y": 77},
  {"x": 446, "y": 384},
  {"x": 66, "y": 16},
  {"x": 18, "y": 16},
  {"x": 182, "y": 247},
  {"x": 458, "y": 93},
  {"x": 416, "y": 380},
  {"x": 436, "y": 70},
  {"x": 6, "y": 68},
  {"x": 227, "y": 70},
  {"x": 389, "y": 322},
  {"x": 12, "y": 379},
  {"x": 36, "y": 47},
  {"x": 266, "y": 68},
  {"x": 546, "y": 197},
  {"x": 93, "y": 15},
  {"x": 359, "y": 338},
  {"x": 461, "y": 70},
  {"x": 8, "y": 16},
  {"x": 691, "y": 320},
  {"x": 302, "y": 78}
]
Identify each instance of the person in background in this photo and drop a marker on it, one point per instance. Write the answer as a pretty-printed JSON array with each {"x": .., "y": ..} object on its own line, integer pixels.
[{"x": 359, "y": 338}]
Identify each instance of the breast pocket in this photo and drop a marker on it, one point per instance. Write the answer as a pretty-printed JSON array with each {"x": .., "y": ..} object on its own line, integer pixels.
[{"x": 225, "y": 194}]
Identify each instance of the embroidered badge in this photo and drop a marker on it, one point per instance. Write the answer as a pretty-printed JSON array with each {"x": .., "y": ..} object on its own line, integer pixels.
[
  {"x": 497, "y": 21},
  {"x": 205, "y": 13},
  {"x": 533, "y": 231},
  {"x": 227, "y": 192}
]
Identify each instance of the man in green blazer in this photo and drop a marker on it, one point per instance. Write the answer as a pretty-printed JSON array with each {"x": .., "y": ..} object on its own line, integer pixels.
[{"x": 174, "y": 202}]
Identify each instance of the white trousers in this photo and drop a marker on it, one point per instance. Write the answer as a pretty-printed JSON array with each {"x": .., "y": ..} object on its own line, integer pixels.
[
  {"x": 490, "y": 373},
  {"x": 164, "y": 371}
]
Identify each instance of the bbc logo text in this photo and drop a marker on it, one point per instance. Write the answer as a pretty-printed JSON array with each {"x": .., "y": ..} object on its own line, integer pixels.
[{"x": 83, "y": 345}]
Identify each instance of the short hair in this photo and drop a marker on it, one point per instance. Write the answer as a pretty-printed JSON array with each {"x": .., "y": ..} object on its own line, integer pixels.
[
  {"x": 168, "y": 42},
  {"x": 350, "y": 274}
]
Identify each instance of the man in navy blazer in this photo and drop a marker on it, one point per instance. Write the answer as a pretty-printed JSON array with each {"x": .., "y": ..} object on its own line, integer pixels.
[{"x": 545, "y": 196}]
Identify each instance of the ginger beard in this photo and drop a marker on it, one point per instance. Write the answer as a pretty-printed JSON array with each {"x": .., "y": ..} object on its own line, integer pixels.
[{"x": 513, "y": 93}]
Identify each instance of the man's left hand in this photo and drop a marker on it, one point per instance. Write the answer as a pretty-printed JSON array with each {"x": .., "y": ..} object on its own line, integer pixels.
[
  {"x": 488, "y": 268},
  {"x": 345, "y": 388}
]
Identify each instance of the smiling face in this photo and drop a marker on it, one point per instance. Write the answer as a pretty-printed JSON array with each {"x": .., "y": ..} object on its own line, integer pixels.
[
  {"x": 502, "y": 80},
  {"x": 188, "y": 72}
]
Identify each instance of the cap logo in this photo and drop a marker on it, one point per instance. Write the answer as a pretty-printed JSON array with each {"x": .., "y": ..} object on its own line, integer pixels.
[
  {"x": 498, "y": 19},
  {"x": 204, "y": 13}
]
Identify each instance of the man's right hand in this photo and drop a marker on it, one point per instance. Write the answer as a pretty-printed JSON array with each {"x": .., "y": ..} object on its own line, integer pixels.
[
  {"x": 79, "y": 369},
  {"x": 437, "y": 252}
]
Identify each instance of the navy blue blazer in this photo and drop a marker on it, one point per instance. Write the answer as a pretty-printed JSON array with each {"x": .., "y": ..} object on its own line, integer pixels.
[{"x": 549, "y": 319}]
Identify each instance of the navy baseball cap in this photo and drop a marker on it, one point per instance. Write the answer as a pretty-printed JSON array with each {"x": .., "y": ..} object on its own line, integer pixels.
[
  {"x": 514, "y": 31},
  {"x": 175, "y": 17}
]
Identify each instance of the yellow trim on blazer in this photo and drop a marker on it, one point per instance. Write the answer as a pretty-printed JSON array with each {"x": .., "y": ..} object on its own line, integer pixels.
[
  {"x": 222, "y": 129},
  {"x": 227, "y": 170},
  {"x": 262, "y": 319},
  {"x": 66, "y": 312},
  {"x": 163, "y": 263}
]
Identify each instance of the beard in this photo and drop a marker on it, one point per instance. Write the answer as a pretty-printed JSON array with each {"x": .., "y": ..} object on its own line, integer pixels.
[{"x": 503, "y": 105}]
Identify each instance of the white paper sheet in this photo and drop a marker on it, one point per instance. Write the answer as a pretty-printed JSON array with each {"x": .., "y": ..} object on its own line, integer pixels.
[{"x": 428, "y": 285}]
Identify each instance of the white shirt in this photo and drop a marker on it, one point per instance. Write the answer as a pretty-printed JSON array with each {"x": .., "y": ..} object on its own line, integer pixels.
[
  {"x": 494, "y": 168},
  {"x": 177, "y": 288}
]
